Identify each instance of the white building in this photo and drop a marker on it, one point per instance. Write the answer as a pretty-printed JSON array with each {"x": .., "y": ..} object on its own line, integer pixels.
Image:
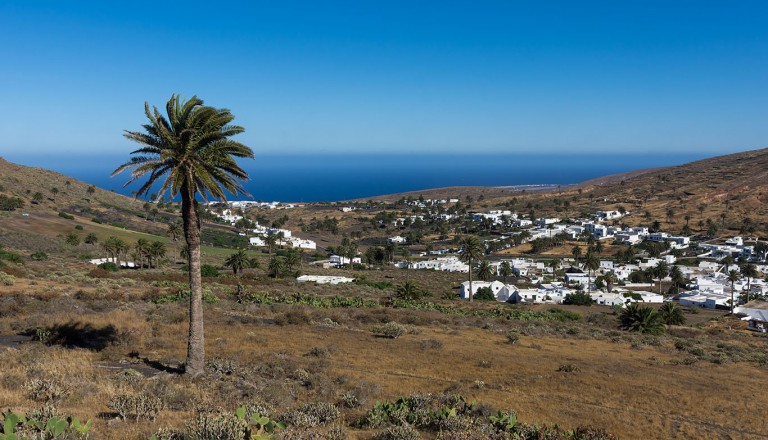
[{"x": 324, "y": 279}]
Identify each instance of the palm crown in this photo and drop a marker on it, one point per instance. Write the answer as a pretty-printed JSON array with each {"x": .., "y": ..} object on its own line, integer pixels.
[{"x": 190, "y": 150}]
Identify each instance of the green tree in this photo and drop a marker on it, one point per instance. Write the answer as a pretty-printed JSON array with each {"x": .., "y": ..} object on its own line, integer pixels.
[
  {"x": 660, "y": 271},
  {"x": 409, "y": 291},
  {"x": 591, "y": 263},
  {"x": 276, "y": 267},
  {"x": 484, "y": 270},
  {"x": 672, "y": 314},
  {"x": 505, "y": 270},
  {"x": 156, "y": 253},
  {"x": 72, "y": 239},
  {"x": 576, "y": 252},
  {"x": 91, "y": 238},
  {"x": 142, "y": 251},
  {"x": 238, "y": 261},
  {"x": 470, "y": 251},
  {"x": 190, "y": 151},
  {"x": 642, "y": 319},
  {"x": 676, "y": 275},
  {"x": 749, "y": 271},
  {"x": 175, "y": 231}
]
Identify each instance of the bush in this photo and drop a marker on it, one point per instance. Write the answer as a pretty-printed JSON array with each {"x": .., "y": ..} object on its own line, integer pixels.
[
  {"x": 643, "y": 319},
  {"x": 108, "y": 266},
  {"x": 63, "y": 214},
  {"x": 672, "y": 314},
  {"x": 484, "y": 294},
  {"x": 136, "y": 406},
  {"x": 209, "y": 271},
  {"x": 39, "y": 256},
  {"x": 578, "y": 299},
  {"x": 7, "y": 279},
  {"x": 391, "y": 330}
]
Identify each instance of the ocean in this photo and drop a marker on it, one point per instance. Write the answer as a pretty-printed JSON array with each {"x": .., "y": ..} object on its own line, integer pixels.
[{"x": 332, "y": 177}]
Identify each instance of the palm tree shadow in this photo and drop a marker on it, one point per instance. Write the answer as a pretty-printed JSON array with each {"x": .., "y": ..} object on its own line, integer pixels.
[
  {"x": 80, "y": 335},
  {"x": 157, "y": 365}
]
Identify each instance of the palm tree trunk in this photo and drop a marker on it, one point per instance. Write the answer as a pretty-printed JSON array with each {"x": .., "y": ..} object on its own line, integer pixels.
[
  {"x": 470, "y": 281},
  {"x": 196, "y": 346}
]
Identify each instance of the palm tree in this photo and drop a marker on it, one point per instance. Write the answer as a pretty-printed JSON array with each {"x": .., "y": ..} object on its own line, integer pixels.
[
  {"x": 174, "y": 232},
  {"x": 408, "y": 291},
  {"x": 643, "y": 319},
  {"x": 471, "y": 250},
  {"x": 271, "y": 240},
  {"x": 156, "y": 252},
  {"x": 238, "y": 261},
  {"x": 672, "y": 314},
  {"x": 733, "y": 276},
  {"x": 576, "y": 252},
  {"x": 661, "y": 270},
  {"x": 749, "y": 270},
  {"x": 191, "y": 154},
  {"x": 91, "y": 238},
  {"x": 276, "y": 266},
  {"x": 599, "y": 247},
  {"x": 484, "y": 270},
  {"x": 591, "y": 263},
  {"x": 293, "y": 259},
  {"x": 505, "y": 270},
  {"x": 677, "y": 278},
  {"x": 142, "y": 250}
]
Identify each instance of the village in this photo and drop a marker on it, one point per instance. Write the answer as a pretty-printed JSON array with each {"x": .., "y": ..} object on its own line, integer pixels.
[{"x": 695, "y": 271}]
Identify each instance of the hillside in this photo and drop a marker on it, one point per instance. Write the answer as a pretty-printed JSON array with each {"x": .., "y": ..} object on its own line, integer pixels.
[{"x": 46, "y": 193}]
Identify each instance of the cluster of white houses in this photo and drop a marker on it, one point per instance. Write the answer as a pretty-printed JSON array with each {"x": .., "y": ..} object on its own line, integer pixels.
[{"x": 554, "y": 293}]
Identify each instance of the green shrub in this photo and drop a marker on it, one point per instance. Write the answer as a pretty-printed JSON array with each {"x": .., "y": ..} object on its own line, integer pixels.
[
  {"x": 391, "y": 330},
  {"x": 209, "y": 271},
  {"x": 63, "y": 214},
  {"x": 39, "y": 256},
  {"x": 109, "y": 266},
  {"x": 484, "y": 294},
  {"x": 7, "y": 279},
  {"x": 643, "y": 319},
  {"x": 578, "y": 299}
]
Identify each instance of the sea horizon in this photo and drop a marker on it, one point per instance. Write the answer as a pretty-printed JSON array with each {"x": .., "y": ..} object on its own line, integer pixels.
[{"x": 337, "y": 177}]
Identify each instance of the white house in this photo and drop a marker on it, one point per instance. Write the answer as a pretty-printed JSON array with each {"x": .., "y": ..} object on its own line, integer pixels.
[
  {"x": 609, "y": 299},
  {"x": 257, "y": 241},
  {"x": 324, "y": 279},
  {"x": 397, "y": 239},
  {"x": 495, "y": 286}
]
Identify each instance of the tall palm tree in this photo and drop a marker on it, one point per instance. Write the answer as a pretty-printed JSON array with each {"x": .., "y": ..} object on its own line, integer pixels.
[
  {"x": 142, "y": 251},
  {"x": 677, "y": 278},
  {"x": 190, "y": 153},
  {"x": 591, "y": 263},
  {"x": 733, "y": 276},
  {"x": 749, "y": 270},
  {"x": 471, "y": 251},
  {"x": 661, "y": 270},
  {"x": 156, "y": 252}
]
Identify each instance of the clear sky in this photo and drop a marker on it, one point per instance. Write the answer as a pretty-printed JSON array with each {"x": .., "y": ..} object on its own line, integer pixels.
[{"x": 377, "y": 76}]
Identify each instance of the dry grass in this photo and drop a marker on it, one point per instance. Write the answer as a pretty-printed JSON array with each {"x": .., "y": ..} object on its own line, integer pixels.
[{"x": 259, "y": 350}]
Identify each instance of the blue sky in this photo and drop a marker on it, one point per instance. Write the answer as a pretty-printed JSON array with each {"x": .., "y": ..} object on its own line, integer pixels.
[{"x": 380, "y": 76}]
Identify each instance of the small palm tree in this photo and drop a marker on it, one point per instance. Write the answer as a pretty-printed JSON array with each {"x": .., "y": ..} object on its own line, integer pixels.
[
  {"x": 293, "y": 260},
  {"x": 576, "y": 252},
  {"x": 409, "y": 291},
  {"x": 142, "y": 251},
  {"x": 471, "y": 251},
  {"x": 672, "y": 314},
  {"x": 174, "y": 232},
  {"x": 238, "y": 261},
  {"x": 276, "y": 266},
  {"x": 484, "y": 270},
  {"x": 642, "y": 319},
  {"x": 190, "y": 153}
]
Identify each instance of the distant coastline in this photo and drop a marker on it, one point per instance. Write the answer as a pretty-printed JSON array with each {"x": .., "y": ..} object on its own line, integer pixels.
[{"x": 336, "y": 177}]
